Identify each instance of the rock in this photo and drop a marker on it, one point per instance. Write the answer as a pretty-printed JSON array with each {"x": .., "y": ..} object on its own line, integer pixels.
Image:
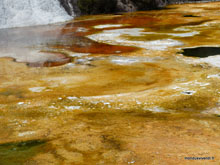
[
  {"x": 83, "y": 7},
  {"x": 97, "y": 6},
  {"x": 125, "y": 6},
  {"x": 149, "y": 4},
  {"x": 182, "y": 1},
  {"x": 71, "y": 7}
]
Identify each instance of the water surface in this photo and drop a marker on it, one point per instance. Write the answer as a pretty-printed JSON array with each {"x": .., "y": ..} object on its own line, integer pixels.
[{"x": 112, "y": 89}]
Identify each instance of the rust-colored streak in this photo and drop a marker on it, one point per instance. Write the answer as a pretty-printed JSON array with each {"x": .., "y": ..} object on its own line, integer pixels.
[
  {"x": 50, "y": 63},
  {"x": 132, "y": 20},
  {"x": 99, "y": 48},
  {"x": 78, "y": 42},
  {"x": 61, "y": 60},
  {"x": 57, "y": 63},
  {"x": 89, "y": 46},
  {"x": 85, "y": 45}
]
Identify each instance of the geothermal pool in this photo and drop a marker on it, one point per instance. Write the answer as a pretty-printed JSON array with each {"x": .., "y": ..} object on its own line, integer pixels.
[{"x": 136, "y": 88}]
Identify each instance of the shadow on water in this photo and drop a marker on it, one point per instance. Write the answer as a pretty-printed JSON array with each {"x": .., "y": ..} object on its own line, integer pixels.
[
  {"x": 190, "y": 15},
  {"x": 201, "y": 52},
  {"x": 17, "y": 153}
]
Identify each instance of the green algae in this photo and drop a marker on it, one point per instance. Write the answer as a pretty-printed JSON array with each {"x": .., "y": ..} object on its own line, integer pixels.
[{"x": 17, "y": 153}]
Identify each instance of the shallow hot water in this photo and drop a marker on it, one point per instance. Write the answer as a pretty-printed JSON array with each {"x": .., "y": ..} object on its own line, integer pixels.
[{"x": 112, "y": 89}]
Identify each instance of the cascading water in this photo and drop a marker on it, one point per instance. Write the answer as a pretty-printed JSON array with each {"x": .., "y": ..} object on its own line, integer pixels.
[{"x": 18, "y": 13}]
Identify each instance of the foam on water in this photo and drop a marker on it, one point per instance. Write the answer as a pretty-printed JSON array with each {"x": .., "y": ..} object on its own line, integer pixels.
[
  {"x": 211, "y": 60},
  {"x": 37, "y": 89},
  {"x": 26, "y": 133},
  {"x": 72, "y": 107},
  {"x": 108, "y": 26},
  {"x": 213, "y": 76},
  {"x": 120, "y": 60},
  {"x": 116, "y": 37}
]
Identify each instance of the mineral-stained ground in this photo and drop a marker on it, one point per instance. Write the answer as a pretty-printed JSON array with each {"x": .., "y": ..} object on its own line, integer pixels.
[{"x": 138, "y": 88}]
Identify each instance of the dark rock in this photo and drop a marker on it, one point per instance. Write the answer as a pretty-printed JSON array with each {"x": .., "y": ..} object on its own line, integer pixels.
[
  {"x": 149, "y": 4},
  {"x": 83, "y": 7},
  {"x": 201, "y": 52},
  {"x": 125, "y": 6},
  {"x": 186, "y": 1},
  {"x": 71, "y": 7},
  {"x": 97, "y": 6}
]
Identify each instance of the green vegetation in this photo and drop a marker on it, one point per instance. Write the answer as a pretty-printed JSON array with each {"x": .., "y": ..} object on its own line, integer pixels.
[{"x": 17, "y": 153}]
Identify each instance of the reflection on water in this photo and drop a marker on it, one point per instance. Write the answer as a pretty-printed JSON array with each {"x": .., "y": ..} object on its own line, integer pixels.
[{"x": 118, "y": 92}]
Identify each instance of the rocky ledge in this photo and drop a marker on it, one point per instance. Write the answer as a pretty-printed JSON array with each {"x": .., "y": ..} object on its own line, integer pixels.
[{"x": 84, "y": 7}]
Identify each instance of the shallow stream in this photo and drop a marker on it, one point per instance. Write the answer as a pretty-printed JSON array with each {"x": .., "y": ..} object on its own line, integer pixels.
[{"x": 113, "y": 89}]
